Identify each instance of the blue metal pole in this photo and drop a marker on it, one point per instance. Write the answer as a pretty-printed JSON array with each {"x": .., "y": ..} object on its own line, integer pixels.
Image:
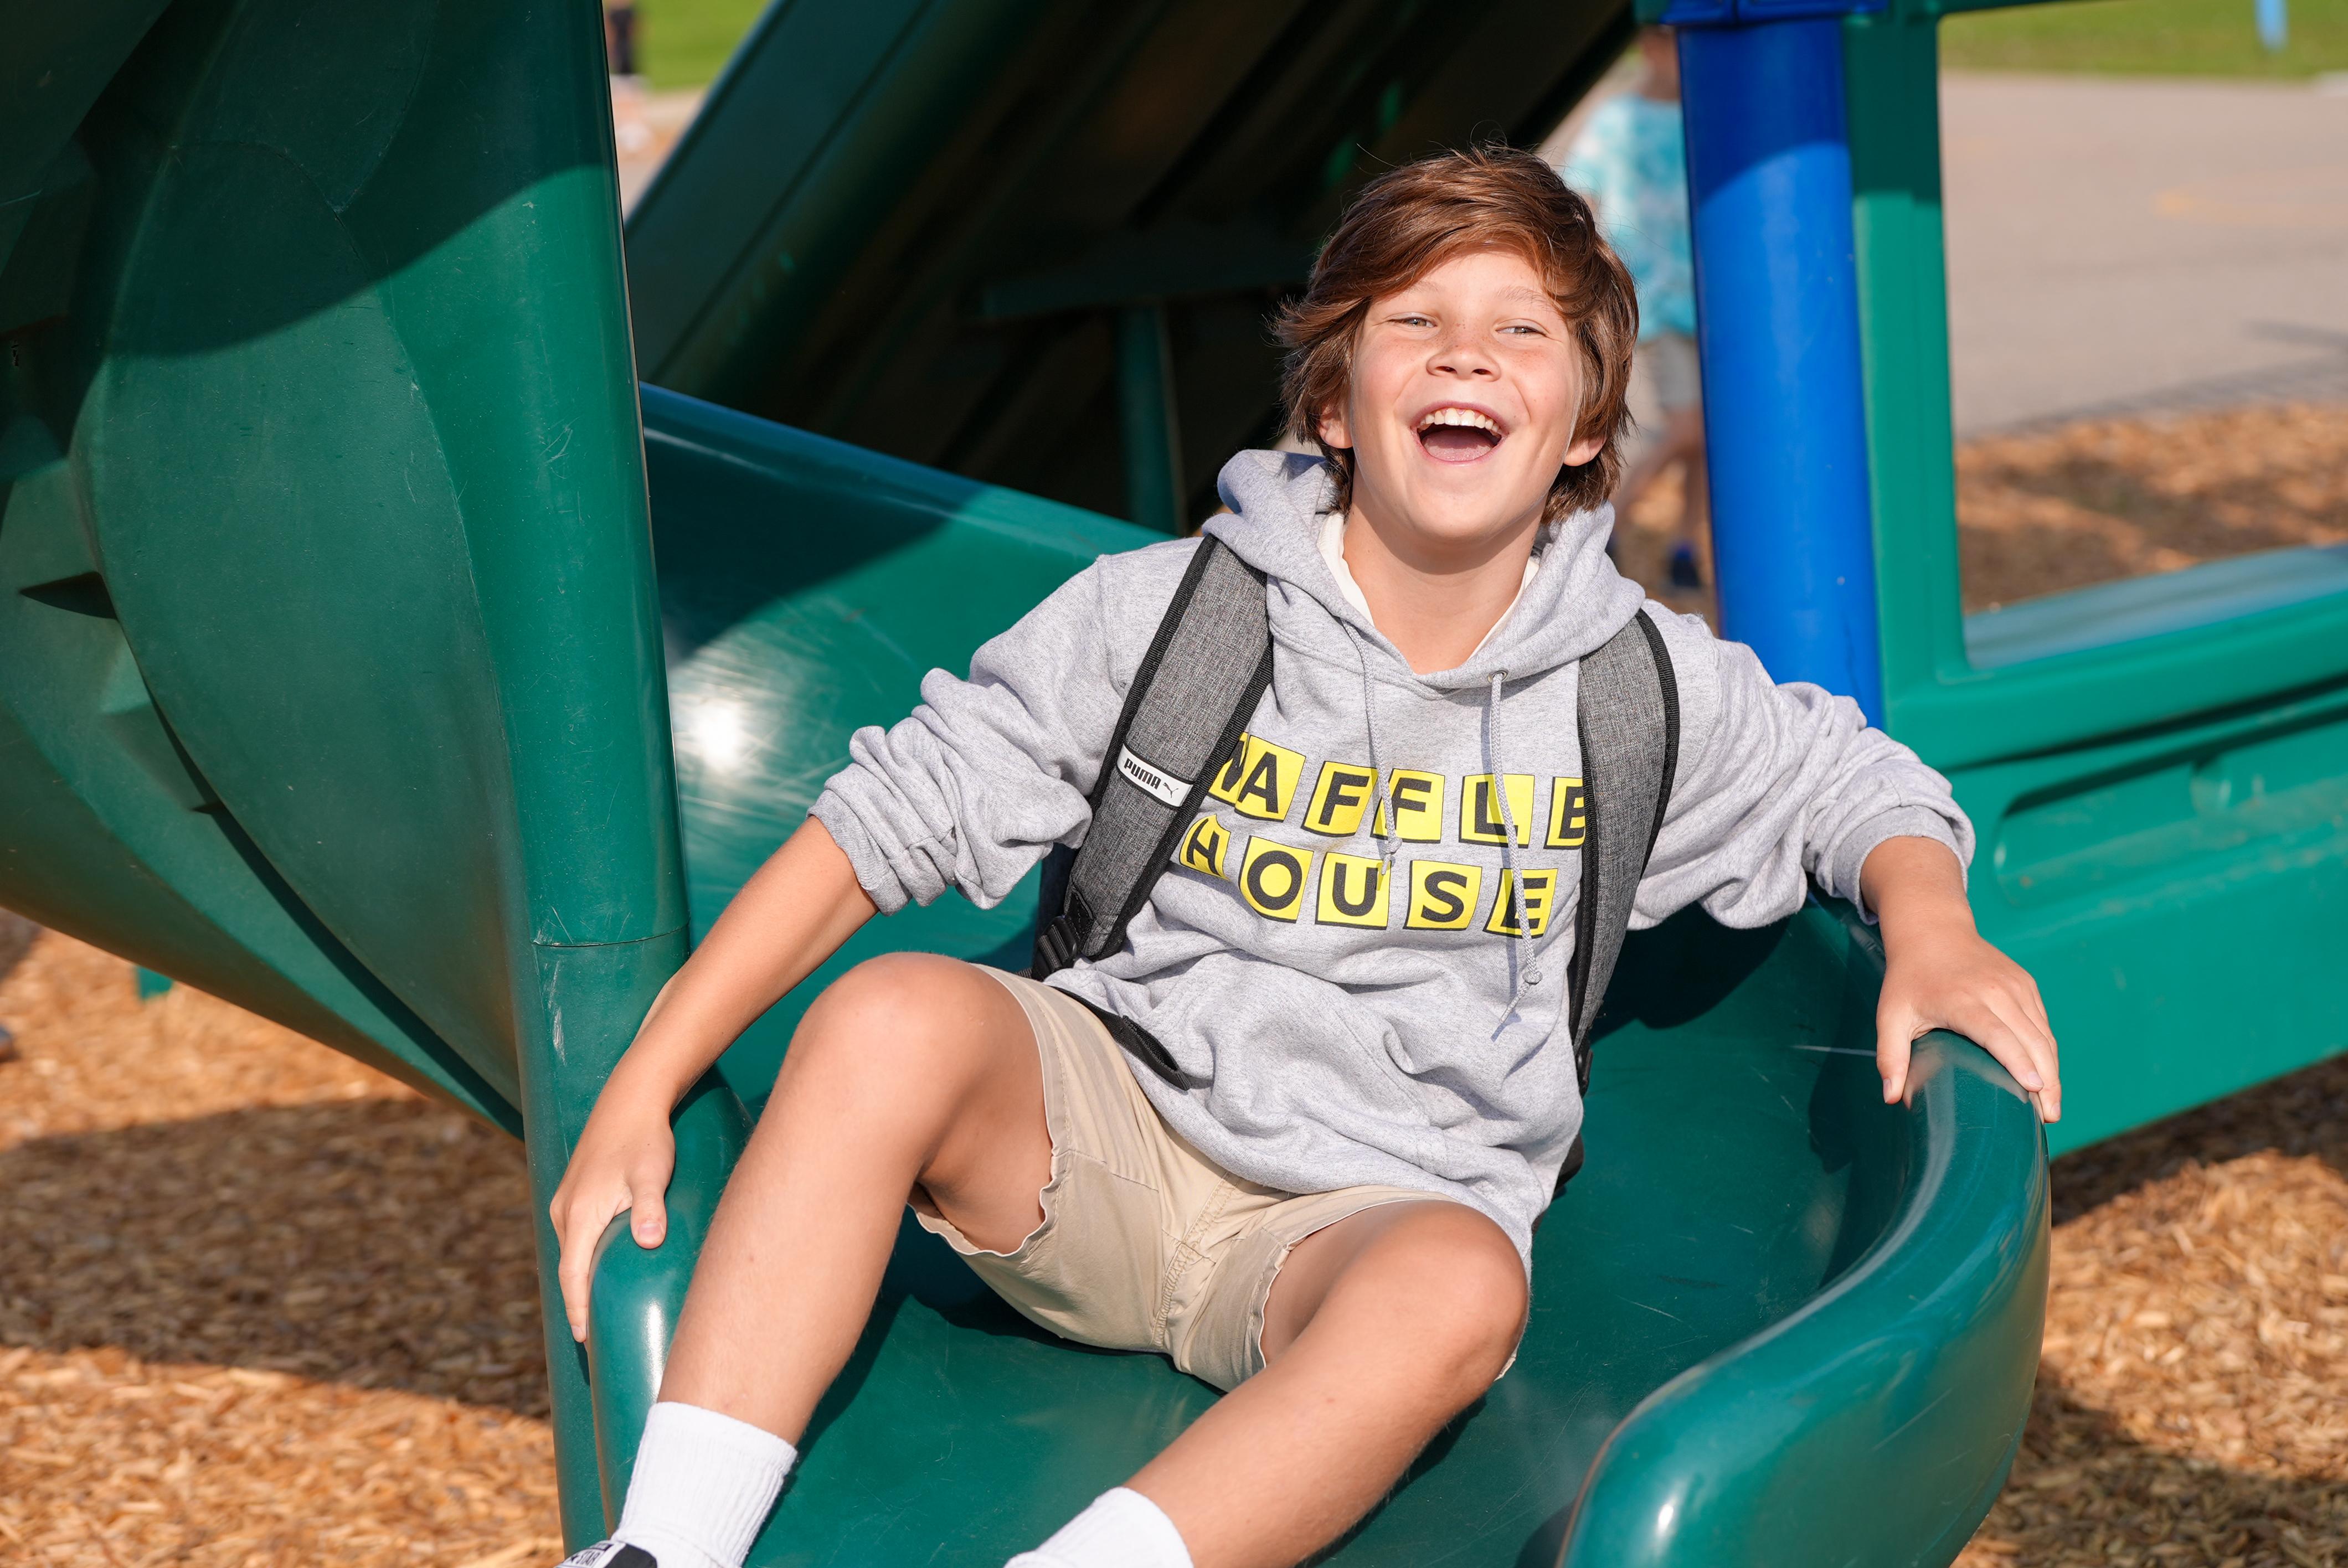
[{"x": 1768, "y": 156}]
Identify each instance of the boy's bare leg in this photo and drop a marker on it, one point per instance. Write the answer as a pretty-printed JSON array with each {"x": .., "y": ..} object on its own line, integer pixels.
[
  {"x": 911, "y": 1068},
  {"x": 1379, "y": 1330},
  {"x": 917, "y": 1069}
]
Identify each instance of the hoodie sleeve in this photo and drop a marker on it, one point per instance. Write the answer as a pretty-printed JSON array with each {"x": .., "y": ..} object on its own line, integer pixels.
[
  {"x": 983, "y": 777},
  {"x": 1777, "y": 785}
]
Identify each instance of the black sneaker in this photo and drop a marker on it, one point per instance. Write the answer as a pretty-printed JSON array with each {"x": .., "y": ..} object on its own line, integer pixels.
[
  {"x": 610, "y": 1554},
  {"x": 1683, "y": 569}
]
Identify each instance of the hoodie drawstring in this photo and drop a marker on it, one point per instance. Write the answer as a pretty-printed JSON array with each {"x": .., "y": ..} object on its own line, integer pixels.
[
  {"x": 1507, "y": 849},
  {"x": 1528, "y": 947},
  {"x": 1378, "y": 789},
  {"x": 1526, "y": 955}
]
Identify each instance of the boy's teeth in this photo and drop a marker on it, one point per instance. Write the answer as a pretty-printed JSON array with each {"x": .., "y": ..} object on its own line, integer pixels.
[{"x": 1466, "y": 416}]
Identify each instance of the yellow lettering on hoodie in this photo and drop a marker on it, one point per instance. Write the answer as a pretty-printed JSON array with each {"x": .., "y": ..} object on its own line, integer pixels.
[
  {"x": 1352, "y": 891},
  {"x": 1569, "y": 815},
  {"x": 1339, "y": 799},
  {"x": 1539, "y": 896},
  {"x": 1443, "y": 897},
  {"x": 1205, "y": 847},
  {"x": 1480, "y": 820},
  {"x": 1272, "y": 878},
  {"x": 1260, "y": 782},
  {"x": 1417, "y": 802}
]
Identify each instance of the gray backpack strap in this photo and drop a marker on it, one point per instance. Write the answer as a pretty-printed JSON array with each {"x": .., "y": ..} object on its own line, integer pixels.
[
  {"x": 1630, "y": 722},
  {"x": 1214, "y": 646}
]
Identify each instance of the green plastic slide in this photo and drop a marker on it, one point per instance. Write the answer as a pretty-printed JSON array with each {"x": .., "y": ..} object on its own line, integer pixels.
[
  {"x": 1767, "y": 1291},
  {"x": 336, "y": 679},
  {"x": 1035, "y": 243}
]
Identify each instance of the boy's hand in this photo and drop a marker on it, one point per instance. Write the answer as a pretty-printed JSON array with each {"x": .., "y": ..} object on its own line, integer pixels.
[
  {"x": 1939, "y": 974},
  {"x": 793, "y": 914},
  {"x": 623, "y": 1161}
]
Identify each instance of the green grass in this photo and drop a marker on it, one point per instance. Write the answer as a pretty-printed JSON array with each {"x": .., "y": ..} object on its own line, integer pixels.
[
  {"x": 2146, "y": 37},
  {"x": 685, "y": 43}
]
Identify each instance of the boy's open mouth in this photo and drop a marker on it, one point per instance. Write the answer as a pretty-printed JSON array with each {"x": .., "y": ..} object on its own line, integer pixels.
[{"x": 1456, "y": 435}]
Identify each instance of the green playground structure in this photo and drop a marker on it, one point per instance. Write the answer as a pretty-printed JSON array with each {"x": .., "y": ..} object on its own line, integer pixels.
[{"x": 336, "y": 677}]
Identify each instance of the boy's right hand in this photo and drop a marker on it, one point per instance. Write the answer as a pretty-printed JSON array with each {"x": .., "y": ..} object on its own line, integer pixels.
[
  {"x": 623, "y": 1161},
  {"x": 792, "y": 914}
]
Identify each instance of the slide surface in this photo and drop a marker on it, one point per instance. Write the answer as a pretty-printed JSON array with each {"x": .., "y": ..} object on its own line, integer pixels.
[
  {"x": 1752, "y": 1297},
  {"x": 331, "y": 681}
]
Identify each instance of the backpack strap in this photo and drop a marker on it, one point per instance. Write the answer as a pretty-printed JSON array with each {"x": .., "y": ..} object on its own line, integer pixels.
[
  {"x": 1628, "y": 717},
  {"x": 1205, "y": 671},
  {"x": 1213, "y": 650}
]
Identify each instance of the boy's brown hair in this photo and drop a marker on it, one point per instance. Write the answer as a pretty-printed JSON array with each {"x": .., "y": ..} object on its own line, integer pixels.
[{"x": 1408, "y": 222}]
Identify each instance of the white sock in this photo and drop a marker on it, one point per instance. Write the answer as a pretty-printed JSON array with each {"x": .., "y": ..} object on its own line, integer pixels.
[
  {"x": 702, "y": 1484},
  {"x": 1122, "y": 1528}
]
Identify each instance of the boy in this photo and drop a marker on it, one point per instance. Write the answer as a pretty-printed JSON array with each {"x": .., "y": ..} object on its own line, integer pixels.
[{"x": 1311, "y": 1173}]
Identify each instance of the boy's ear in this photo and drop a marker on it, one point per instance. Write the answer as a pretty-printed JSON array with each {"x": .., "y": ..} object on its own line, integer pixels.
[{"x": 1334, "y": 428}]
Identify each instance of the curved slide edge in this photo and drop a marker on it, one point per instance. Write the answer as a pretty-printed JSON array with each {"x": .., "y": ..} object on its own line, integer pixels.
[
  {"x": 1913, "y": 1371},
  {"x": 637, "y": 1292}
]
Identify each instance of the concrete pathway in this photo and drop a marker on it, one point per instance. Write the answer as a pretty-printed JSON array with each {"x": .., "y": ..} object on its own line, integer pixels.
[{"x": 2123, "y": 246}]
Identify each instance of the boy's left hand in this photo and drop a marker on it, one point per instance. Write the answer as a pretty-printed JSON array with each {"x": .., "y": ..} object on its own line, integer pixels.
[{"x": 1939, "y": 974}]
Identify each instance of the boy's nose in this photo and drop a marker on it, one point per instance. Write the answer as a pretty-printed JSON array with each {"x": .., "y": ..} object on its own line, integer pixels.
[{"x": 1465, "y": 356}]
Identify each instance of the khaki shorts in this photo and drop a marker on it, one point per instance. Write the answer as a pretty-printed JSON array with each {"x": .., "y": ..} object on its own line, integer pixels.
[{"x": 1146, "y": 1245}]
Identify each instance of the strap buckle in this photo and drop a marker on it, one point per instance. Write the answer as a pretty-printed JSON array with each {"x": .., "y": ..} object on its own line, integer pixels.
[{"x": 1056, "y": 947}]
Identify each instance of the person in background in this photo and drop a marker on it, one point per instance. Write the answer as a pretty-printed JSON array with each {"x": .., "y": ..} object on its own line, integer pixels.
[
  {"x": 620, "y": 36},
  {"x": 629, "y": 134},
  {"x": 1631, "y": 162}
]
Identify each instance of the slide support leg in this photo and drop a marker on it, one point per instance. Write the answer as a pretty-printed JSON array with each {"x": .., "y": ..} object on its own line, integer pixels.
[{"x": 1769, "y": 189}]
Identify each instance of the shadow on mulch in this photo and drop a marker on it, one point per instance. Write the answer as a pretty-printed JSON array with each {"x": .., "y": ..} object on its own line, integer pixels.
[
  {"x": 2300, "y": 1113},
  {"x": 2085, "y": 1491},
  {"x": 17, "y": 936},
  {"x": 2187, "y": 1409},
  {"x": 374, "y": 1243}
]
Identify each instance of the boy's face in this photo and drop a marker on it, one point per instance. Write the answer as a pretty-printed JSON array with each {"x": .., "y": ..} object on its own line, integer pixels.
[{"x": 1466, "y": 389}]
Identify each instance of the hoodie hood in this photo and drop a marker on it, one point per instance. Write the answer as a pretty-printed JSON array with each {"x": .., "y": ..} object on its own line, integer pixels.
[{"x": 1574, "y": 603}]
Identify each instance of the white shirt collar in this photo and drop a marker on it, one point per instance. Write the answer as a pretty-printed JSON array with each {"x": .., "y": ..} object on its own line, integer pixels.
[{"x": 1332, "y": 551}]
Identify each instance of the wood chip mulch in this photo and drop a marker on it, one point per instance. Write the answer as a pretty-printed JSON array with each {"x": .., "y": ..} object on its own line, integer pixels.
[
  {"x": 2093, "y": 501},
  {"x": 260, "y": 1306},
  {"x": 2043, "y": 511},
  {"x": 2192, "y": 1404}
]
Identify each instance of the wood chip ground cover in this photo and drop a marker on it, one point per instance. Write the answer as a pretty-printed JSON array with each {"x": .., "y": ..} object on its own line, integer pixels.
[
  {"x": 262, "y": 1307},
  {"x": 2043, "y": 511}
]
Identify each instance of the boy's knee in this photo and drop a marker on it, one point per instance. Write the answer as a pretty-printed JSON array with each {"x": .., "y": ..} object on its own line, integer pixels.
[
  {"x": 895, "y": 1005},
  {"x": 1469, "y": 1295},
  {"x": 892, "y": 989}
]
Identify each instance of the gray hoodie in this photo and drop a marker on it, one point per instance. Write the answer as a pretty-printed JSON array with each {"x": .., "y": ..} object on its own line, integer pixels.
[{"x": 1335, "y": 1023}]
